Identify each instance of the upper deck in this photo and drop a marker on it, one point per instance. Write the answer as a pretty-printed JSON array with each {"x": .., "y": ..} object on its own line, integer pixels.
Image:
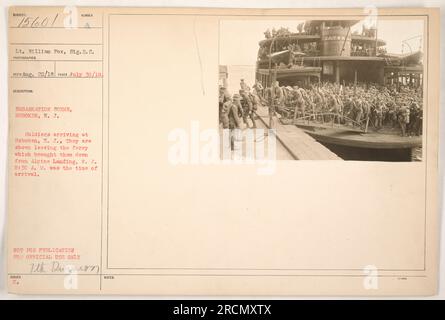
[{"x": 323, "y": 38}]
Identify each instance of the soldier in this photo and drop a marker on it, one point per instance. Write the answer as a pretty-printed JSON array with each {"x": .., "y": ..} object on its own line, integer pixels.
[
  {"x": 366, "y": 107},
  {"x": 243, "y": 85},
  {"x": 341, "y": 106},
  {"x": 235, "y": 116},
  {"x": 235, "y": 113},
  {"x": 318, "y": 101},
  {"x": 299, "y": 102},
  {"x": 391, "y": 114},
  {"x": 414, "y": 117},
  {"x": 378, "y": 114},
  {"x": 349, "y": 108},
  {"x": 334, "y": 108},
  {"x": 403, "y": 118},
  {"x": 419, "y": 122},
  {"x": 247, "y": 107},
  {"x": 274, "y": 32},
  {"x": 310, "y": 103},
  {"x": 221, "y": 96},
  {"x": 324, "y": 93},
  {"x": 278, "y": 100},
  {"x": 305, "y": 102},
  {"x": 225, "y": 103},
  {"x": 256, "y": 100},
  {"x": 358, "y": 111},
  {"x": 258, "y": 88}
]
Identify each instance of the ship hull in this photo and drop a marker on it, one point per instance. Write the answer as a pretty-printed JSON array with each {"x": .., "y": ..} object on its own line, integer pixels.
[{"x": 373, "y": 146}]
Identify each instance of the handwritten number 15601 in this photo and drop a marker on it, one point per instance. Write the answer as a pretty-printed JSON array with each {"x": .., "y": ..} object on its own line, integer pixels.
[{"x": 37, "y": 22}]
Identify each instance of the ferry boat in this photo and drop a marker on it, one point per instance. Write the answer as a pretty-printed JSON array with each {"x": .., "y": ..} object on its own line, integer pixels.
[{"x": 328, "y": 51}]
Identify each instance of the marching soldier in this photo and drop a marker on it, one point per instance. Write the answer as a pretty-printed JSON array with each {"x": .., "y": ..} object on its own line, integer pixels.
[
  {"x": 243, "y": 85},
  {"x": 299, "y": 102},
  {"x": 232, "y": 118},
  {"x": 334, "y": 108},
  {"x": 235, "y": 113},
  {"x": 358, "y": 111},
  {"x": 247, "y": 107},
  {"x": 259, "y": 88},
  {"x": 225, "y": 104},
  {"x": 374, "y": 105},
  {"x": 403, "y": 118},
  {"x": 414, "y": 118},
  {"x": 318, "y": 101},
  {"x": 378, "y": 114},
  {"x": 279, "y": 99}
]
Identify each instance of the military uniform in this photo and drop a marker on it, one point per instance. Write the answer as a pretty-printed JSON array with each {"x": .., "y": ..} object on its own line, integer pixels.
[
  {"x": 224, "y": 114},
  {"x": 235, "y": 113},
  {"x": 318, "y": 100},
  {"x": 378, "y": 115},
  {"x": 414, "y": 116},
  {"x": 279, "y": 101},
  {"x": 358, "y": 111},
  {"x": 224, "y": 107},
  {"x": 403, "y": 118},
  {"x": 243, "y": 85},
  {"x": 247, "y": 107},
  {"x": 258, "y": 88},
  {"x": 299, "y": 102}
]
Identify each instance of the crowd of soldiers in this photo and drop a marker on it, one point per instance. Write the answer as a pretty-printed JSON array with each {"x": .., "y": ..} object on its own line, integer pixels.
[
  {"x": 234, "y": 111},
  {"x": 365, "y": 106}
]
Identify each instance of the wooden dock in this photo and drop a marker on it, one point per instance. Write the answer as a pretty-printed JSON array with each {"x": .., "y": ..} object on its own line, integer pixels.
[{"x": 297, "y": 142}]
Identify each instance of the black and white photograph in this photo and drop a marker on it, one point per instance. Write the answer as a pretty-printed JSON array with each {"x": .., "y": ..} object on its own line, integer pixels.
[{"x": 329, "y": 89}]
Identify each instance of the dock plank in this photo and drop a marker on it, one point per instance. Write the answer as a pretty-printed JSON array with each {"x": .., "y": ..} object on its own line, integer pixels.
[{"x": 298, "y": 142}]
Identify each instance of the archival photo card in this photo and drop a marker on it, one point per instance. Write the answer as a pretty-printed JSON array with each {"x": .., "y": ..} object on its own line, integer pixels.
[{"x": 124, "y": 177}]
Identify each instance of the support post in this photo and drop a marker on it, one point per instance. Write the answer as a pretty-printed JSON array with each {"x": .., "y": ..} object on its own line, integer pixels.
[{"x": 337, "y": 72}]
